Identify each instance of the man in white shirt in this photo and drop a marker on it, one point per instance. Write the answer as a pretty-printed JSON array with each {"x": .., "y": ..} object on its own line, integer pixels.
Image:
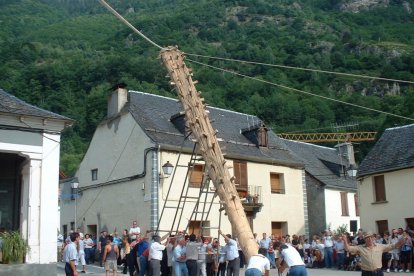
[
  {"x": 70, "y": 255},
  {"x": 328, "y": 243},
  {"x": 292, "y": 258},
  {"x": 134, "y": 230},
  {"x": 258, "y": 264},
  {"x": 232, "y": 255},
  {"x": 155, "y": 255}
]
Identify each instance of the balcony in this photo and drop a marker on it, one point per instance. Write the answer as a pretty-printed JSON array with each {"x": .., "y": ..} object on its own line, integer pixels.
[{"x": 252, "y": 199}]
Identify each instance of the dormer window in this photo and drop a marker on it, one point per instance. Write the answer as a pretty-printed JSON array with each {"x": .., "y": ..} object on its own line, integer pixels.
[
  {"x": 257, "y": 134},
  {"x": 178, "y": 121}
]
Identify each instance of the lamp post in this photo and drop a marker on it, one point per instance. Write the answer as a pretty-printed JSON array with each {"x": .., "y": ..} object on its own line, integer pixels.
[{"x": 75, "y": 186}]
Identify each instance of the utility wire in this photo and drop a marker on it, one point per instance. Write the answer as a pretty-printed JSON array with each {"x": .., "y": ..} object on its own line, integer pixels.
[
  {"x": 301, "y": 68},
  {"x": 271, "y": 83},
  {"x": 120, "y": 17},
  {"x": 300, "y": 91}
]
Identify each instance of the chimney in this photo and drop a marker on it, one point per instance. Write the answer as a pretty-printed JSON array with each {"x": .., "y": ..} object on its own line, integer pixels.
[
  {"x": 117, "y": 100},
  {"x": 347, "y": 150}
]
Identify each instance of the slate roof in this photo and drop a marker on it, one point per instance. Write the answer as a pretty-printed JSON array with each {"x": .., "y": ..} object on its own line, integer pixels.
[
  {"x": 323, "y": 163},
  {"x": 153, "y": 113},
  {"x": 393, "y": 151},
  {"x": 13, "y": 105}
]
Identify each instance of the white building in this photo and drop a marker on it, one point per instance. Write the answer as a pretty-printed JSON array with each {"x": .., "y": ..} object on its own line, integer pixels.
[
  {"x": 29, "y": 174},
  {"x": 331, "y": 192},
  {"x": 120, "y": 178},
  {"x": 386, "y": 181}
]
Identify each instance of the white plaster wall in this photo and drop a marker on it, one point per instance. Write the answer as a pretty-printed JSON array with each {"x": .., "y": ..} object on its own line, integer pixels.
[
  {"x": 287, "y": 207},
  {"x": 399, "y": 189},
  {"x": 117, "y": 151},
  {"x": 333, "y": 206}
]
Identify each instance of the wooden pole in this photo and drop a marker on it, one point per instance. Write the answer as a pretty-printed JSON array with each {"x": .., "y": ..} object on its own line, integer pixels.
[{"x": 199, "y": 123}]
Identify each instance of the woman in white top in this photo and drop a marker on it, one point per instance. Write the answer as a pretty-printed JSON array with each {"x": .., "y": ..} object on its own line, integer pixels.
[{"x": 89, "y": 244}]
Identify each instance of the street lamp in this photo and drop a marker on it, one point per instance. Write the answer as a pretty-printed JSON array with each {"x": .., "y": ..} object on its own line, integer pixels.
[
  {"x": 75, "y": 186},
  {"x": 167, "y": 169},
  {"x": 352, "y": 171}
]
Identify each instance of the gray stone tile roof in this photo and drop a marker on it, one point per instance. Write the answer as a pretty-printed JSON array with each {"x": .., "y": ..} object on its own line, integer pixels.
[
  {"x": 323, "y": 163},
  {"x": 13, "y": 105},
  {"x": 153, "y": 114},
  {"x": 393, "y": 151}
]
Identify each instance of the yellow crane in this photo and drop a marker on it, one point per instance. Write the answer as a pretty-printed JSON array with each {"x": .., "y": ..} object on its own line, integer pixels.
[{"x": 330, "y": 136}]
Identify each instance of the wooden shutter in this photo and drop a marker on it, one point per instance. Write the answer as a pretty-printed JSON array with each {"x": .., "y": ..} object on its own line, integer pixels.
[
  {"x": 240, "y": 174},
  {"x": 276, "y": 183},
  {"x": 196, "y": 176},
  {"x": 277, "y": 229},
  {"x": 356, "y": 205},
  {"x": 382, "y": 226},
  {"x": 379, "y": 187},
  {"x": 344, "y": 203}
]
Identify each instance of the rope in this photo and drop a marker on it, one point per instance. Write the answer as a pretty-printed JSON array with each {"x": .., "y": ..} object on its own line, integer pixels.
[
  {"x": 120, "y": 17},
  {"x": 301, "y": 91},
  {"x": 303, "y": 69}
]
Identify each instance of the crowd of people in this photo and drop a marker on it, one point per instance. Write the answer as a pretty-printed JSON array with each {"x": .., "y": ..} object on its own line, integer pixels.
[{"x": 146, "y": 253}]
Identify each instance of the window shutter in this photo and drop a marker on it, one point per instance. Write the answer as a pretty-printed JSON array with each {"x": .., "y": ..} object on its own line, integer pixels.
[
  {"x": 240, "y": 173},
  {"x": 344, "y": 203},
  {"x": 356, "y": 205},
  {"x": 196, "y": 176},
  {"x": 379, "y": 188}
]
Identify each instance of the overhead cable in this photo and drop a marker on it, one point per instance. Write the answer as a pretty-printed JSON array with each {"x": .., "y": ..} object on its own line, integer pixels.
[
  {"x": 120, "y": 17},
  {"x": 300, "y": 91},
  {"x": 303, "y": 69}
]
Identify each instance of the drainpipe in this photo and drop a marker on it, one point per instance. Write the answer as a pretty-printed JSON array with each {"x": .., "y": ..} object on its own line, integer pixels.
[{"x": 155, "y": 181}]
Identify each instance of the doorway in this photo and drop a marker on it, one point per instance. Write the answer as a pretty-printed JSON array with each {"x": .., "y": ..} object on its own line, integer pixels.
[{"x": 10, "y": 191}]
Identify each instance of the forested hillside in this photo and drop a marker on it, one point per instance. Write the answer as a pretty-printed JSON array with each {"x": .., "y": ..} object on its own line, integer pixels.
[{"x": 64, "y": 55}]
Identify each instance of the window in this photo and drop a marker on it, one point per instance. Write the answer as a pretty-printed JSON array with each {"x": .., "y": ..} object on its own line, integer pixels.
[
  {"x": 277, "y": 183},
  {"x": 72, "y": 225},
  {"x": 194, "y": 227},
  {"x": 240, "y": 174},
  {"x": 382, "y": 226},
  {"x": 279, "y": 228},
  {"x": 262, "y": 135},
  {"x": 379, "y": 188},
  {"x": 344, "y": 203},
  {"x": 65, "y": 230},
  {"x": 196, "y": 176},
  {"x": 410, "y": 223},
  {"x": 356, "y": 205},
  {"x": 94, "y": 174}
]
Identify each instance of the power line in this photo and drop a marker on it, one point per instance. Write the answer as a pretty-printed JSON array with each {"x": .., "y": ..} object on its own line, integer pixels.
[
  {"x": 281, "y": 66},
  {"x": 120, "y": 17},
  {"x": 302, "y": 69},
  {"x": 301, "y": 91}
]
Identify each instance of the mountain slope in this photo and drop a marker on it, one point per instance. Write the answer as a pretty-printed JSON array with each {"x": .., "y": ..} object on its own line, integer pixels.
[{"x": 64, "y": 56}]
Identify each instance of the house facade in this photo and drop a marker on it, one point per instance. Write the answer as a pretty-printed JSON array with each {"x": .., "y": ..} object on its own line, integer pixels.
[
  {"x": 121, "y": 178},
  {"x": 331, "y": 192},
  {"x": 29, "y": 172},
  {"x": 386, "y": 181}
]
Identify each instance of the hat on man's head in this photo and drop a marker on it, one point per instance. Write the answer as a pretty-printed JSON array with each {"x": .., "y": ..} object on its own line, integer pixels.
[{"x": 368, "y": 234}]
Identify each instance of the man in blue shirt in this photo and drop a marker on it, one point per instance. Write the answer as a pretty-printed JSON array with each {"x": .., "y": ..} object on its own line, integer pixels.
[
  {"x": 232, "y": 255},
  {"x": 180, "y": 257}
]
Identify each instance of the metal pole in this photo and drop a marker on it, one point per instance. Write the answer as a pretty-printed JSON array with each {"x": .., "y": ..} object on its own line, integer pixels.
[{"x": 76, "y": 211}]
